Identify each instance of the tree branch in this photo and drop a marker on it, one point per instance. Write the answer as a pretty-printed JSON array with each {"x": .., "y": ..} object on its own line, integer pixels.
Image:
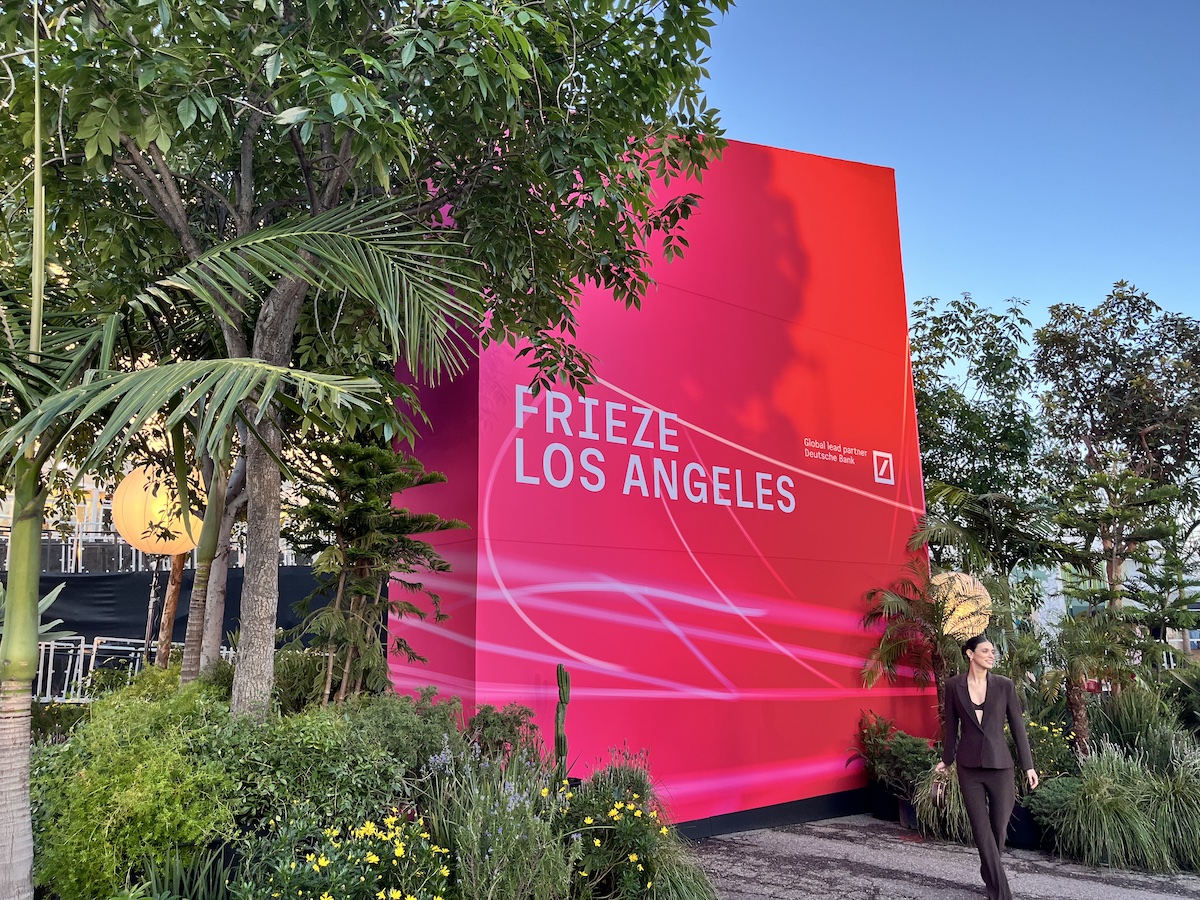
[
  {"x": 338, "y": 175},
  {"x": 305, "y": 167},
  {"x": 245, "y": 192}
]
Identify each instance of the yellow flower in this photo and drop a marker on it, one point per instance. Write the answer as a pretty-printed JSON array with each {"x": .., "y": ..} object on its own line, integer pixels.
[
  {"x": 636, "y": 796},
  {"x": 409, "y": 897},
  {"x": 633, "y": 857},
  {"x": 325, "y": 896},
  {"x": 545, "y": 792},
  {"x": 663, "y": 830},
  {"x": 570, "y": 794},
  {"x": 424, "y": 835},
  {"x": 382, "y": 895},
  {"x": 654, "y": 813},
  {"x": 596, "y": 841},
  {"x": 371, "y": 858},
  {"x": 323, "y": 861},
  {"x": 637, "y": 813},
  {"x": 394, "y": 894},
  {"x": 618, "y": 805},
  {"x": 399, "y": 848},
  {"x": 390, "y": 821},
  {"x": 445, "y": 870},
  {"x": 588, "y": 821},
  {"x": 640, "y": 869},
  {"x": 310, "y": 857}
]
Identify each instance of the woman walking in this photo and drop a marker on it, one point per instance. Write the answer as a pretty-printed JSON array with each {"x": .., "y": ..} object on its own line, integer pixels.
[{"x": 977, "y": 705}]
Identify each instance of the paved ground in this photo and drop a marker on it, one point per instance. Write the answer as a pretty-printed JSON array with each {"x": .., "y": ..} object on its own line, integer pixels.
[{"x": 861, "y": 858}]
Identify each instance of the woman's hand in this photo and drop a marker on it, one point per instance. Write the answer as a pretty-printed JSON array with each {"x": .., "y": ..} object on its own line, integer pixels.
[
  {"x": 1031, "y": 777},
  {"x": 941, "y": 767}
]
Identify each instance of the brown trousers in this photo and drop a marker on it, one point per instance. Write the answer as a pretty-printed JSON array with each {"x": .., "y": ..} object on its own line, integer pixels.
[{"x": 989, "y": 795}]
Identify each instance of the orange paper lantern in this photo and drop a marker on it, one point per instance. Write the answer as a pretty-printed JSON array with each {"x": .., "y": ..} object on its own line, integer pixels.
[{"x": 143, "y": 514}]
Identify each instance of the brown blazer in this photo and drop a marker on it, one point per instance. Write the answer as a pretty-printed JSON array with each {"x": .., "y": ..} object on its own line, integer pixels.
[{"x": 982, "y": 746}]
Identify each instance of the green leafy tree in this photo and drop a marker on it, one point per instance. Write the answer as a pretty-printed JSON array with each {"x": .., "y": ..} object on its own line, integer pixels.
[
  {"x": 1164, "y": 592},
  {"x": 362, "y": 544},
  {"x": 1115, "y": 512},
  {"x": 1123, "y": 380},
  {"x": 1093, "y": 645},
  {"x": 1122, "y": 407},
  {"x": 973, "y": 385},
  {"x": 533, "y": 129}
]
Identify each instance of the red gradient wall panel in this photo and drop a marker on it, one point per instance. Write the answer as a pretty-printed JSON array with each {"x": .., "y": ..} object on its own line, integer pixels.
[{"x": 693, "y": 538}]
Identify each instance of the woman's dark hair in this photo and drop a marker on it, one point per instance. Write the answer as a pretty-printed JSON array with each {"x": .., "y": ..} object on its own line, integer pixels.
[{"x": 973, "y": 643}]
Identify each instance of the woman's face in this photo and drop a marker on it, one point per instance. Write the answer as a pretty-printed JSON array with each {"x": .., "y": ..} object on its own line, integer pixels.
[{"x": 983, "y": 656}]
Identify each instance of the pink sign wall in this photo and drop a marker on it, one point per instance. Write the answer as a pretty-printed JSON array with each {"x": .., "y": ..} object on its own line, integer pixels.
[{"x": 693, "y": 538}]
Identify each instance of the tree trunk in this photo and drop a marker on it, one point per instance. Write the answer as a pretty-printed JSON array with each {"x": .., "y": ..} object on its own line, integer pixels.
[
  {"x": 1077, "y": 705},
  {"x": 331, "y": 651},
  {"x": 18, "y": 667},
  {"x": 254, "y": 676},
  {"x": 166, "y": 624},
  {"x": 218, "y": 578},
  {"x": 255, "y": 673},
  {"x": 16, "y": 830},
  {"x": 209, "y": 533}
]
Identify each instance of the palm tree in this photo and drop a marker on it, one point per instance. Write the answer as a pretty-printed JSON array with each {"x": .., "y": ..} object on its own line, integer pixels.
[
  {"x": 912, "y": 619},
  {"x": 65, "y": 401},
  {"x": 1089, "y": 646}
]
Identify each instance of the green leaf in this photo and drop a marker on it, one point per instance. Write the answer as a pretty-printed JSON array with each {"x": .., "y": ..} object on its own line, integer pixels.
[
  {"x": 292, "y": 115},
  {"x": 186, "y": 112},
  {"x": 338, "y": 103},
  {"x": 262, "y": 49},
  {"x": 271, "y": 70}
]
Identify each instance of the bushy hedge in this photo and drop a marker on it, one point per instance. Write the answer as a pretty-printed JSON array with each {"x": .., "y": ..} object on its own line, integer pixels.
[
  {"x": 161, "y": 789},
  {"x": 135, "y": 781}
]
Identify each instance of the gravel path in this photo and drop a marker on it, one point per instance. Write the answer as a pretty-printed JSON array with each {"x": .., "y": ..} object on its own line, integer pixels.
[{"x": 861, "y": 858}]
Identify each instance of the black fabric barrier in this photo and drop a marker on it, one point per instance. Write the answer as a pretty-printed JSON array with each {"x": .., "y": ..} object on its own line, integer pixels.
[{"x": 113, "y": 604}]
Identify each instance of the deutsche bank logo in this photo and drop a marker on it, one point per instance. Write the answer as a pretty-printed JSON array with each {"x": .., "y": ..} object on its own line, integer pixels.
[{"x": 885, "y": 472}]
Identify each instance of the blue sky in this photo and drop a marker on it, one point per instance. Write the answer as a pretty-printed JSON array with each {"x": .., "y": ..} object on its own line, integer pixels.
[{"x": 1042, "y": 150}]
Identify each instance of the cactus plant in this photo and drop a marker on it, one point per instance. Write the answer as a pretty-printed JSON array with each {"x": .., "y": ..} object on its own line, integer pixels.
[{"x": 560, "y": 722}]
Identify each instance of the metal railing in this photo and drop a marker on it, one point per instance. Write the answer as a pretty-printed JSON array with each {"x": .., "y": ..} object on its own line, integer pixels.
[{"x": 68, "y": 668}]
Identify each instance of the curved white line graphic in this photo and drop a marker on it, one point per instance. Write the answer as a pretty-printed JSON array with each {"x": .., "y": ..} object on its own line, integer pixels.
[
  {"x": 770, "y": 459},
  {"x": 495, "y": 569}
]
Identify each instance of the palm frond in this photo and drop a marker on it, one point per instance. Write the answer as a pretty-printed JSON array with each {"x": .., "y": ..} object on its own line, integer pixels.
[
  {"x": 118, "y": 404},
  {"x": 423, "y": 285}
]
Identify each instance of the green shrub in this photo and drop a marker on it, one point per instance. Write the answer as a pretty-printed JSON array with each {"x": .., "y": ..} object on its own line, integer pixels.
[
  {"x": 1052, "y": 750},
  {"x": 204, "y": 875},
  {"x": 134, "y": 782},
  {"x": 394, "y": 857},
  {"x": 1125, "y": 718},
  {"x": 316, "y": 763},
  {"x": 614, "y": 821},
  {"x": 894, "y": 758},
  {"x": 498, "y": 732},
  {"x": 1173, "y": 804},
  {"x": 299, "y": 679},
  {"x": 1181, "y": 686},
  {"x": 1106, "y": 815},
  {"x": 501, "y": 822},
  {"x": 219, "y": 676},
  {"x": 53, "y": 721},
  {"x": 410, "y": 729},
  {"x": 104, "y": 679}
]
